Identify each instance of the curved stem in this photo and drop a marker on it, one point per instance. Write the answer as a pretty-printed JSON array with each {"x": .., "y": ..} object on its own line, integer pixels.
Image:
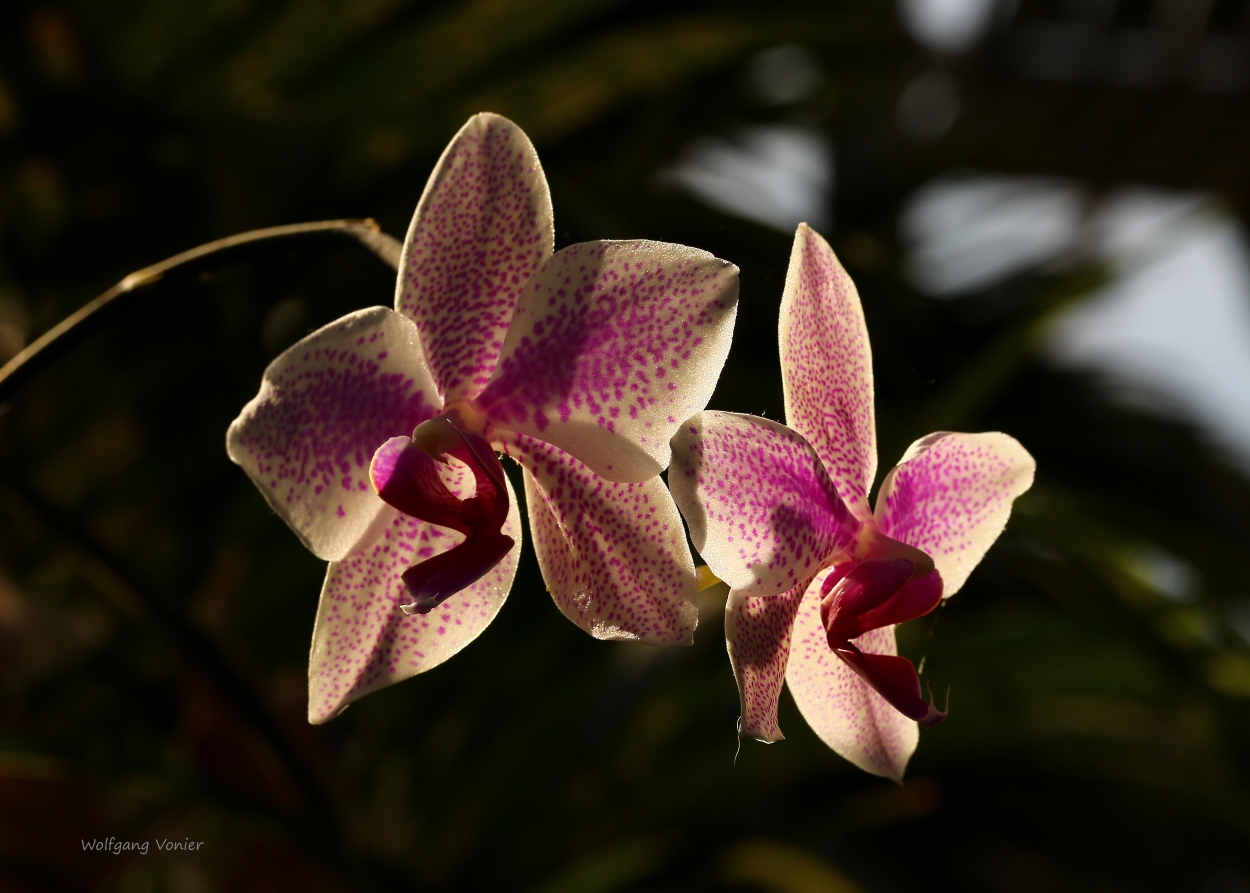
[{"x": 77, "y": 325}]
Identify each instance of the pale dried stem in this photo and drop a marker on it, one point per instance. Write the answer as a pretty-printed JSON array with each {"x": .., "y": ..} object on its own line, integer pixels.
[{"x": 68, "y": 331}]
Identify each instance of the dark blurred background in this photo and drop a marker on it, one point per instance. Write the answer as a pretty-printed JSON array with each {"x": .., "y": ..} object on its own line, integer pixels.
[{"x": 1043, "y": 205}]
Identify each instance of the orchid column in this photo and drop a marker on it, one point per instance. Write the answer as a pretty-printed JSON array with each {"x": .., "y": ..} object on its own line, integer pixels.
[{"x": 375, "y": 437}]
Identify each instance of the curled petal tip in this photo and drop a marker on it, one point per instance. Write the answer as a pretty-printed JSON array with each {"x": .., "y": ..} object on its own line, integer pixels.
[
  {"x": 766, "y": 733},
  {"x": 934, "y": 715},
  {"x": 436, "y": 436},
  {"x": 405, "y": 476}
]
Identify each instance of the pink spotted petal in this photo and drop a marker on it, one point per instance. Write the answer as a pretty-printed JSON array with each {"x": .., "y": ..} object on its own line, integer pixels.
[
  {"x": 613, "y": 345},
  {"x": 364, "y": 641},
  {"x": 757, "y": 635},
  {"x": 324, "y": 407},
  {"x": 481, "y": 229},
  {"x": 951, "y": 496},
  {"x": 762, "y": 512},
  {"x": 842, "y": 709},
  {"x": 614, "y": 555},
  {"x": 826, "y": 367}
]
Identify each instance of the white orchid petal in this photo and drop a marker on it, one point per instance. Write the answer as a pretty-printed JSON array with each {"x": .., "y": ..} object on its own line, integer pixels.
[{"x": 325, "y": 406}]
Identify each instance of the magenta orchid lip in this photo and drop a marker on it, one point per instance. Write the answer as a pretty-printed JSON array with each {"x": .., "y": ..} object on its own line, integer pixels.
[{"x": 405, "y": 474}]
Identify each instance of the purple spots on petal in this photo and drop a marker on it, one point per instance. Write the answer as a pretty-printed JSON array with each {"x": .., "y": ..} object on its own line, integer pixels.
[
  {"x": 481, "y": 229},
  {"x": 757, "y": 633},
  {"x": 324, "y": 407},
  {"x": 604, "y": 326},
  {"x": 760, "y": 506},
  {"x": 826, "y": 367},
  {"x": 363, "y": 641},
  {"x": 847, "y": 714},
  {"x": 613, "y": 555},
  {"x": 951, "y": 496}
]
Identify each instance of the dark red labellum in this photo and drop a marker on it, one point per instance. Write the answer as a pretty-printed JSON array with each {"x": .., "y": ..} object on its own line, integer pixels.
[
  {"x": 875, "y": 593},
  {"x": 407, "y": 477}
]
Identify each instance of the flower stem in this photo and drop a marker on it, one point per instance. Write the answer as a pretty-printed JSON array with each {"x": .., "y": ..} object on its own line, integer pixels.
[{"x": 90, "y": 317}]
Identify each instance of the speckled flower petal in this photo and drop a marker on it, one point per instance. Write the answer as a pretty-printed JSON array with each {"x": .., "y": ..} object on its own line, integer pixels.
[
  {"x": 612, "y": 346},
  {"x": 762, "y": 512},
  {"x": 363, "y": 641},
  {"x": 482, "y": 227},
  {"x": 841, "y": 707},
  {"x": 325, "y": 405},
  {"x": 757, "y": 635},
  {"x": 951, "y": 496},
  {"x": 614, "y": 555},
  {"x": 826, "y": 367}
]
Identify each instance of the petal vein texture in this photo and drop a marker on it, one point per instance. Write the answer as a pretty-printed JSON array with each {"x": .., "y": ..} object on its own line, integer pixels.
[
  {"x": 762, "y": 511},
  {"x": 614, "y": 555}
]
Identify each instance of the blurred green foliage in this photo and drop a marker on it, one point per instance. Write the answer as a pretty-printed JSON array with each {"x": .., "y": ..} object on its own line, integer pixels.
[{"x": 154, "y": 615}]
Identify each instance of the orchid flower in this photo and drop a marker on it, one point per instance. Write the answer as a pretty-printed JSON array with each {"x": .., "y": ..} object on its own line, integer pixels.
[
  {"x": 818, "y": 580},
  {"x": 375, "y": 437}
]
